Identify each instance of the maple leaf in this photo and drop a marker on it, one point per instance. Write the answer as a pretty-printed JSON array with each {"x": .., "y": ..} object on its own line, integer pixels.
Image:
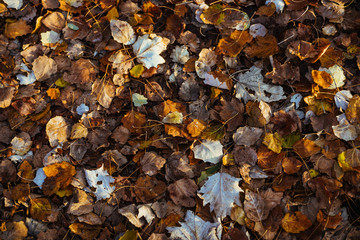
[
  {"x": 222, "y": 191},
  {"x": 101, "y": 180},
  {"x": 253, "y": 80},
  {"x": 147, "y": 51},
  {"x": 195, "y": 228},
  {"x": 209, "y": 151}
]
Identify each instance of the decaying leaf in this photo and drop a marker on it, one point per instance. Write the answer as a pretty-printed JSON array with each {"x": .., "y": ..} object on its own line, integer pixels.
[
  {"x": 151, "y": 163},
  {"x": 209, "y": 151},
  {"x": 57, "y": 130},
  {"x": 101, "y": 180},
  {"x": 247, "y": 135},
  {"x": 122, "y": 32},
  {"x": 17, "y": 29},
  {"x": 216, "y": 192},
  {"x": 263, "y": 47},
  {"x": 183, "y": 191}
]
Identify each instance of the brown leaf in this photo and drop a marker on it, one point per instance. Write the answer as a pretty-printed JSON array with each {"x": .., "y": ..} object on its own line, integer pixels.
[
  {"x": 17, "y": 29},
  {"x": 41, "y": 209},
  {"x": 177, "y": 167},
  {"x": 302, "y": 49},
  {"x": 169, "y": 106},
  {"x": 20, "y": 191},
  {"x": 83, "y": 73},
  {"x": 294, "y": 5},
  {"x": 353, "y": 110},
  {"x": 6, "y": 95},
  {"x": 7, "y": 171},
  {"x": 175, "y": 24},
  {"x": 324, "y": 122},
  {"x": 24, "y": 106},
  {"x": 98, "y": 138},
  {"x": 329, "y": 221},
  {"x": 254, "y": 207},
  {"x": 263, "y": 47},
  {"x": 284, "y": 182},
  {"x": 81, "y": 203},
  {"x": 266, "y": 10},
  {"x": 151, "y": 163},
  {"x": 183, "y": 191},
  {"x": 283, "y": 72},
  {"x": 232, "y": 113},
  {"x": 291, "y": 165},
  {"x": 306, "y": 148},
  {"x": 232, "y": 46},
  {"x": 149, "y": 189},
  {"x": 246, "y": 155},
  {"x": 134, "y": 121},
  {"x": 26, "y": 172},
  {"x": 58, "y": 176},
  {"x": 6, "y": 133},
  {"x": 235, "y": 234},
  {"x": 44, "y": 67},
  {"x": 104, "y": 90},
  {"x": 14, "y": 231},
  {"x": 268, "y": 160},
  {"x": 331, "y": 57},
  {"x": 285, "y": 123},
  {"x": 295, "y": 222},
  {"x": 121, "y": 134},
  {"x": 84, "y": 230},
  {"x": 322, "y": 78},
  {"x": 196, "y": 127}
]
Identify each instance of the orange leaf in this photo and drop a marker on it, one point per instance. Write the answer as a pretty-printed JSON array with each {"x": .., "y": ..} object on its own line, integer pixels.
[
  {"x": 169, "y": 106},
  {"x": 295, "y": 222},
  {"x": 173, "y": 130},
  {"x": 322, "y": 78},
  {"x": 85, "y": 231},
  {"x": 16, "y": 29},
  {"x": 306, "y": 148},
  {"x": 53, "y": 93},
  {"x": 269, "y": 160},
  {"x": 263, "y": 47},
  {"x": 26, "y": 172},
  {"x": 353, "y": 110},
  {"x": 329, "y": 221},
  {"x": 134, "y": 121},
  {"x": 232, "y": 46},
  {"x": 151, "y": 9},
  {"x": 58, "y": 176},
  {"x": 40, "y": 208},
  {"x": 331, "y": 57},
  {"x": 196, "y": 127}
]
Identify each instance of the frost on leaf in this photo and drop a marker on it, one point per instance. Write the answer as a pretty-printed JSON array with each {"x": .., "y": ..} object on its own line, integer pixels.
[
  {"x": 57, "y": 130},
  {"x": 194, "y": 228},
  {"x": 100, "y": 179},
  {"x": 253, "y": 81},
  {"x": 221, "y": 190},
  {"x": 148, "y": 51},
  {"x": 209, "y": 151},
  {"x": 122, "y": 32}
]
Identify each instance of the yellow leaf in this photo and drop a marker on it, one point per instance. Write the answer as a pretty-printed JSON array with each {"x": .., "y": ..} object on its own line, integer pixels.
[
  {"x": 40, "y": 208},
  {"x": 61, "y": 82},
  {"x": 129, "y": 235},
  {"x": 112, "y": 14},
  {"x": 196, "y": 127},
  {"x": 273, "y": 142},
  {"x": 53, "y": 93},
  {"x": 85, "y": 231},
  {"x": 228, "y": 160},
  {"x": 78, "y": 131},
  {"x": 349, "y": 160},
  {"x": 137, "y": 70}
]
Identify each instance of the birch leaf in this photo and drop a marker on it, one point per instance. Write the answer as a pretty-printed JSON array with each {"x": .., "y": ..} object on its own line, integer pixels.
[
  {"x": 194, "y": 228},
  {"x": 100, "y": 179},
  {"x": 139, "y": 100},
  {"x": 122, "y": 32},
  {"x": 57, "y": 130},
  {"x": 209, "y": 151},
  {"x": 222, "y": 191},
  {"x": 253, "y": 81},
  {"x": 148, "y": 51}
]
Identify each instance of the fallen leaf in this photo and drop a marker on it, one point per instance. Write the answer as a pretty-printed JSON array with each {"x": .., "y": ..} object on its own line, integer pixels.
[
  {"x": 83, "y": 73},
  {"x": 58, "y": 176},
  {"x": 6, "y": 96},
  {"x": 130, "y": 212},
  {"x": 331, "y": 222},
  {"x": 100, "y": 180},
  {"x": 17, "y": 29},
  {"x": 295, "y": 222},
  {"x": 216, "y": 192},
  {"x": 247, "y": 135},
  {"x": 40, "y": 209},
  {"x": 147, "y": 51},
  {"x": 215, "y": 14},
  {"x": 306, "y": 148},
  {"x": 196, "y": 127},
  {"x": 149, "y": 189},
  {"x": 122, "y": 32},
  {"x": 285, "y": 123},
  {"x": 183, "y": 191},
  {"x": 232, "y": 113},
  {"x": 151, "y": 163},
  {"x": 84, "y": 230},
  {"x": 44, "y": 67},
  {"x": 291, "y": 165},
  {"x": 21, "y": 144},
  {"x": 353, "y": 110},
  {"x": 283, "y": 72},
  {"x": 14, "y": 231},
  {"x": 137, "y": 70},
  {"x": 53, "y": 93},
  {"x": 233, "y": 45},
  {"x": 269, "y": 160},
  {"x": 349, "y": 160},
  {"x": 78, "y": 131},
  {"x": 209, "y": 151},
  {"x": 254, "y": 207},
  {"x": 194, "y": 228},
  {"x": 57, "y": 130},
  {"x": 263, "y": 47},
  {"x": 273, "y": 142},
  {"x": 104, "y": 90},
  {"x": 134, "y": 121}
]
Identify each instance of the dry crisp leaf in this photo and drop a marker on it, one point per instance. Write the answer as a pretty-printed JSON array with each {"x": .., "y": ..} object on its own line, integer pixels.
[
  {"x": 353, "y": 110},
  {"x": 291, "y": 165},
  {"x": 254, "y": 207},
  {"x": 183, "y": 191},
  {"x": 306, "y": 148},
  {"x": 147, "y": 51},
  {"x": 209, "y": 151},
  {"x": 247, "y": 135},
  {"x": 83, "y": 73},
  {"x": 100, "y": 180},
  {"x": 151, "y": 163},
  {"x": 40, "y": 209},
  {"x": 295, "y": 222},
  {"x": 134, "y": 121},
  {"x": 196, "y": 127},
  {"x": 44, "y": 67},
  {"x": 6, "y": 96},
  {"x": 21, "y": 144},
  {"x": 263, "y": 47},
  {"x": 349, "y": 160},
  {"x": 232, "y": 46},
  {"x": 283, "y": 72},
  {"x": 53, "y": 93},
  {"x": 78, "y": 131},
  {"x": 17, "y": 29},
  {"x": 215, "y": 14},
  {"x": 273, "y": 142},
  {"x": 216, "y": 192},
  {"x": 195, "y": 228},
  {"x": 148, "y": 189},
  {"x": 57, "y": 130},
  {"x": 84, "y": 230},
  {"x": 14, "y": 231},
  {"x": 104, "y": 90},
  {"x": 122, "y": 32},
  {"x": 58, "y": 176}
]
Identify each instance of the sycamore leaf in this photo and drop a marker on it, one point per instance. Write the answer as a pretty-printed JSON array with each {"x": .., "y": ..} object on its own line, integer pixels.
[
  {"x": 139, "y": 100},
  {"x": 253, "y": 81},
  {"x": 209, "y": 151},
  {"x": 100, "y": 179},
  {"x": 222, "y": 191},
  {"x": 195, "y": 228},
  {"x": 147, "y": 51}
]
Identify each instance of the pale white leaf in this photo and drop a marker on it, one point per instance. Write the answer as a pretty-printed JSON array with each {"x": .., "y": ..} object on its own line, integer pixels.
[
  {"x": 75, "y": 3},
  {"x": 26, "y": 79},
  {"x": 122, "y": 32},
  {"x": 147, "y": 51},
  {"x": 265, "y": 110},
  {"x": 50, "y": 38},
  {"x": 180, "y": 54},
  {"x": 296, "y": 98},
  {"x": 146, "y": 212},
  {"x": 257, "y": 30},
  {"x": 57, "y": 130},
  {"x": 21, "y": 144},
  {"x": 345, "y": 131},
  {"x": 215, "y": 82},
  {"x": 337, "y": 75},
  {"x": 39, "y": 177},
  {"x": 222, "y": 191},
  {"x": 278, "y": 3},
  {"x": 101, "y": 180},
  {"x": 139, "y": 100},
  {"x": 342, "y": 99},
  {"x": 253, "y": 80},
  {"x": 173, "y": 118},
  {"x": 194, "y": 228},
  {"x": 209, "y": 151},
  {"x": 81, "y": 109},
  {"x": 130, "y": 212},
  {"x": 201, "y": 69},
  {"x": 17, "y": 4}
]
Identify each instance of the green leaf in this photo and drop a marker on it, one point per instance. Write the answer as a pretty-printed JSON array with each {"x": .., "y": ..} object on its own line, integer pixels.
[
  {"x": 129, "y": 235},
  {"x": 291, "y": 139},
  {"x": 214, "y": 131},
  {"x": 207, "y": 173},
  {"x": 137, "y": 70}
]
